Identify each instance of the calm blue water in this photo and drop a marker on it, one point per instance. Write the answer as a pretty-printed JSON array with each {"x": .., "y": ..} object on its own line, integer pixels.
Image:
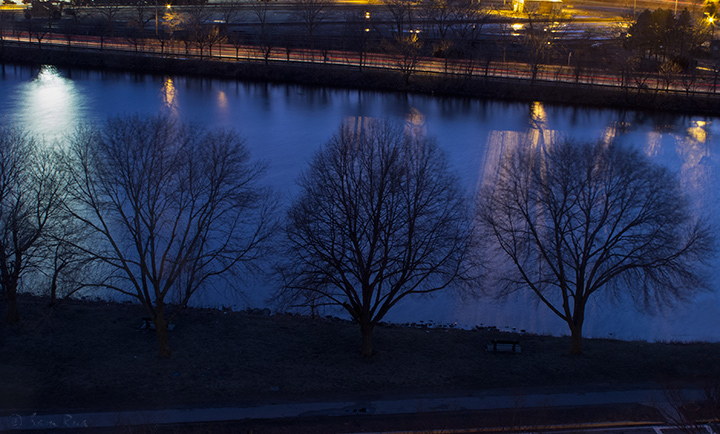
[{"x": 285, "y": 124}]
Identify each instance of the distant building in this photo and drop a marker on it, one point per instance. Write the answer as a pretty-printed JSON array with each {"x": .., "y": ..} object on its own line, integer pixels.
[{"x": 542, "y": 7}]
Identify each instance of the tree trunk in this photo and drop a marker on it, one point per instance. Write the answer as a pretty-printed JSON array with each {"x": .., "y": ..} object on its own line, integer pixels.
[
  {"x": 53, "y": 288},
  {"x": 161, "y": 330},
  {"x": 12, "y": 316},
  {"x": 576, "y": 324},
  {"x": 367, "y": 344},
  {"x": 576, "y": 340}
]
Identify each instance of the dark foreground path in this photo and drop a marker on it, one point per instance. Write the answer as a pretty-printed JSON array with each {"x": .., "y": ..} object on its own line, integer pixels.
[{"x": 639, "y": 408}]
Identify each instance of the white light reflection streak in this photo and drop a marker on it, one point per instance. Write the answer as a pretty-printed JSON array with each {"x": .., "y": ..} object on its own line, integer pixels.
[
  {"x": 50, "y": 106},
  {"x": 696, "y": 171},
  {"x": 222, "y": 101},
  {"x": 653, "y": 144}
]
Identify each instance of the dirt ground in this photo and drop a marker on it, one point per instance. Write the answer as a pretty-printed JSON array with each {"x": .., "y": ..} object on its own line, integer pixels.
[{"x": 94, "y": 356}]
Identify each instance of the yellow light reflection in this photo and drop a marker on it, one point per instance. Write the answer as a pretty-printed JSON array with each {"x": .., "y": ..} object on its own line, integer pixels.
[
  {"x": 222, "y": 100},
  {"x": 537, "y": 113},
  {"x": 609, "y": 135},
  {"x": 697, "y": 132},
  {"x": 169, "y": 96},
  {"x": 415, "y": 123},
  {"x": 357, "y": 125}
]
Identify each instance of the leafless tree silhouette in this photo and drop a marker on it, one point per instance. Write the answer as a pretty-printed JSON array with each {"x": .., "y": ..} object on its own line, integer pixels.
[
  {"x": 577, "y": 219},
  {"x": 32, "y": 189},
  {"x": 379, "y": 218},
  {"x": 172, "y": 208}
]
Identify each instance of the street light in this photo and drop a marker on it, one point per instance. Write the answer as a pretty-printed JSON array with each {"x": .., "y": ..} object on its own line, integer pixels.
[{"x": 711, "y": 22}]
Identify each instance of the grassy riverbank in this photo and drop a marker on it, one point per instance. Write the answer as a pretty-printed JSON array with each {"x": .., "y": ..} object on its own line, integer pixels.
[
  {"x": 93, "y": 356},
  {"x": 371, "y": 79}
]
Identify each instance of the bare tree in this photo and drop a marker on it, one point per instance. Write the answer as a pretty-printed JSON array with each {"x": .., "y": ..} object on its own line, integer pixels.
[
  {"x": 173, "y": 22},
  {"x": 36, "y": 29},
  {"x": 141, "y": 15},
  {"x": 578, "y": 219},
  {"x": 207, "y": 36},
  {"x": 406, "y": 54},
  {"x": 135, "y": 37},
  {"x": 356, "y": 33},
  {"x": 105, "y": 18},
  {"x": 379, "y": 218},
  {"x": 401, "y": 12},
  {"x": 311, "y": 15},
  {"x": 200, "y": 32},
  {"x": 237, "y": 41},
  {"x": 689, "y": 80},
  {"x": 468, "y": 20},
  {"x": 693, "y": 413},
  {"x": 229, "y": 12},
  {"x": 143, "y": 12},
  {"x": 7, "y": 22},
  {"x": 69, "y": 29},
  {"x": 31, "y": 194},
  {"x": 172, "y": 209},
  {"x": 261, "y": 9},
  {"x": 439, "y": 16},
  {"x": 66, "y": 268},
  {"x": 537, "y": 44},
  {"x": 669, "y": 70}
]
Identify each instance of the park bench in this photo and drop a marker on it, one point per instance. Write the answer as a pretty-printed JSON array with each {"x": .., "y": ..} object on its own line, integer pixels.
[
  {"x": 504, "y": 346},
  {"x": 147, "y": 324}
]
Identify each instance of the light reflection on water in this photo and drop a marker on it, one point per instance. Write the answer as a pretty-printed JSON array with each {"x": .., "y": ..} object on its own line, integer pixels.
[
  {"x": 46, "y": 105},
  {"x": 169, "y": 97},
  {"x": 284, "y": 125}
]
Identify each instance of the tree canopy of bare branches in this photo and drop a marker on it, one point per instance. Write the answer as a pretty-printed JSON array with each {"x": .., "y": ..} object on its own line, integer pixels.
[
  {"x": 311, "y": 14},
  {"x": 406, "y": 50},
  {"x": 401, "y": 12},
  {"x": 379, "y": 217},
  {"x": 172, "y": 208},
  {"x": 32, "y": 190},
  {"x": 577, "y": 219}
]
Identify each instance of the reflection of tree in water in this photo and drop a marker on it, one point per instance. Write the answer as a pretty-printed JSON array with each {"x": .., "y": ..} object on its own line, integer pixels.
[
  {"x": 663, "y": 123},
  {"x": 414, "y": 125},
  {"x": 537, "y": 136},
  {"x": 357, "y": 125}
]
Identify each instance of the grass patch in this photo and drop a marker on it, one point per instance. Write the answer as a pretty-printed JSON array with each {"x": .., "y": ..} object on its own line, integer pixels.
[{"x": 92, "y": 356}]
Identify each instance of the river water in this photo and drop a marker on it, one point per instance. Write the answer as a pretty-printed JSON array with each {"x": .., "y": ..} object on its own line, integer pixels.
[{"x": 285, "y": 124}]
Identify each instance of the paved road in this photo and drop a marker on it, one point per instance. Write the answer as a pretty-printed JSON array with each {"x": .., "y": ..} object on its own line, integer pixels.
[{"x": 479, "y": 401}]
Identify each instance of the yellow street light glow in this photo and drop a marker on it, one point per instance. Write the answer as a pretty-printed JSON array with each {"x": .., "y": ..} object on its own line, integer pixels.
[
  {"x": 517, "y": 26},
  {"x": 367, "y": 15}
]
